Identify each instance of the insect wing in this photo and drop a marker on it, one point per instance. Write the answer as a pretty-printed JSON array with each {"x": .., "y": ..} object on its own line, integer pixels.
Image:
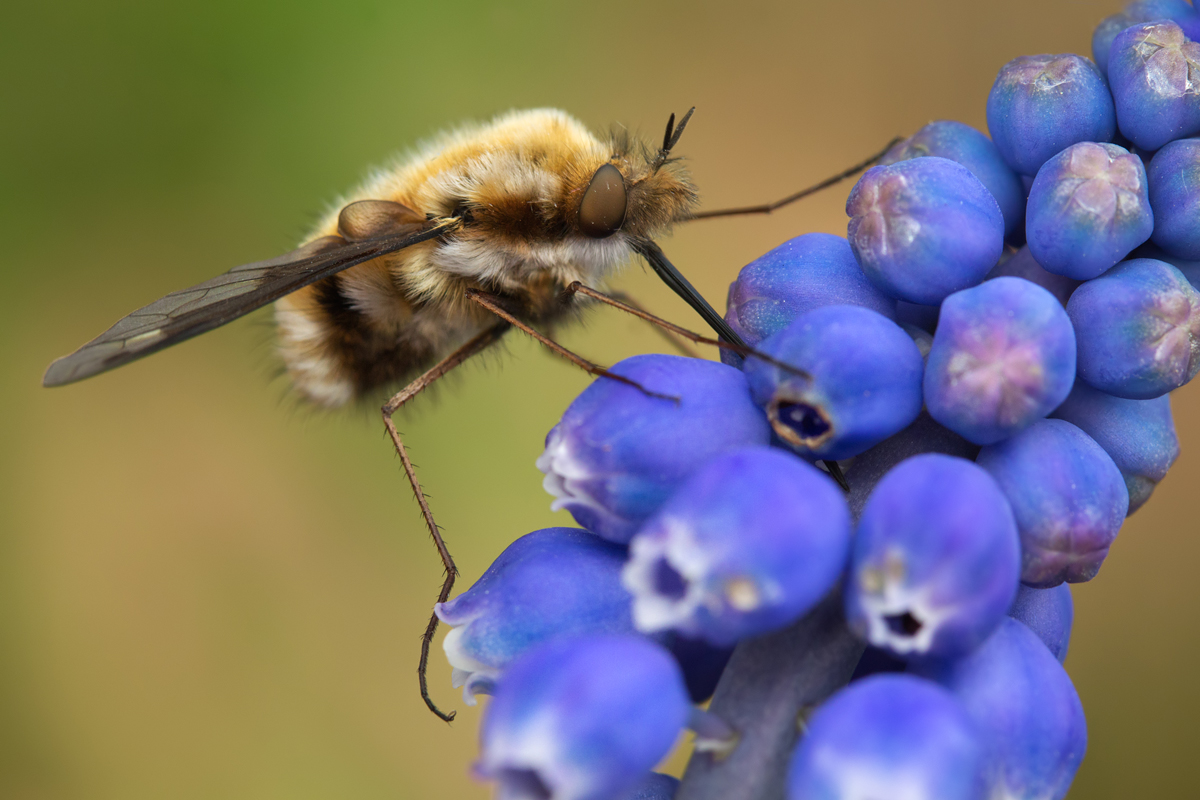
[{"x": 190, "y": 312}]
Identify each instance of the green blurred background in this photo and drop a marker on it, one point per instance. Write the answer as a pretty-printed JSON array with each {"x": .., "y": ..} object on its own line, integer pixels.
[{"x": 207, "y": 590}]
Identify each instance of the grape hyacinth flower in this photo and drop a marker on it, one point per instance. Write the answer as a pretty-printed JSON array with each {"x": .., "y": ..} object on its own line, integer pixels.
[
  {"x": 1067, "y": 495},
  {"x": 1022, "y": 264},
  {"x": 936, "y": 559},
  {"x": 1025, "y": 709},
  {"x": 1139, "y": 435},
  {"x": 962, "y": 143},
  {"x": 1138, "y": 328},
  {"x": 1174, "y": 178},
  {"x": 1002, "y": 358},
  {"x": 1180, "y": 11},
  {"x": 807, "y": 272},
  {"x": 1040, "y": 105},
  {"x": 1088, "y": 209},
  {"x": 1150, "y": 69},
  {"x": 863, "y": 384},
  {"x": 924, "y": 228},
  {"x": 748, "y": 544},
  {"x": 889, "y": 736},
  {"x": 618, "y": 453},
  {"x": 1049, "y": 613},
  {"x": 548, "y": 584},
  {"x": 582, "y": 719}
]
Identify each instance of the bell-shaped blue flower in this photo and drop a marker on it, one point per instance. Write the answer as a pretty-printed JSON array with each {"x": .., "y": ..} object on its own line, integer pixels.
[
  {"x": 1139, "y": 435},
  {"x": 1180, "y": 11},
  {"x": 1026, "y": 710},
  {"x": 1003, "y": 357},
  {"x": 924, "y": 228},
  {"x": 1174, "y": 179},
  {"x": 1088, "y": 209},
  {"x": 1067, "y": 495},
  {"x": 863, "y": 383},
  {"x": 936, "y": 559},
  {"x": 1022, "y": 264},
  {"x": 1138, "y": 327},
  {"x": 960, "y": 142},
  {"x": 1049, "y": 613},
  {"x": 548, "y": 584},
  {"x": 748, "y": 544},
  {"x": 1150, "y": 70},
  {"x": 618, "y": 453},
  {"x": 810, "y": 271},
  {"x": 582, "y": 719},
  {"x": 1040, "y": 105},
  {"x": 889, "y": 736}
]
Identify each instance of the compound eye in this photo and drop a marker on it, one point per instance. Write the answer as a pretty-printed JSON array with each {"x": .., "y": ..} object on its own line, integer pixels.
[{"x": 603, "y": 208}]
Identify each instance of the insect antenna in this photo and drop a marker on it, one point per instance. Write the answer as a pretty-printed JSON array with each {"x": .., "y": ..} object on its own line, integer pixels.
[{"x": 671, "y": 137}]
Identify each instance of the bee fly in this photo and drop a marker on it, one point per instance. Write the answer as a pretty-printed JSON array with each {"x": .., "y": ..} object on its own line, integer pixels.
[{"x": 508, "y": 224}]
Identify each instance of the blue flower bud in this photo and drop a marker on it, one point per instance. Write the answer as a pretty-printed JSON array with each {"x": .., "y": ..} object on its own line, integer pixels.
[
  {"x": 1190, "y": 269},
  {"x": 1040, "y": 105},
  {"x": 548, "y": 584},
  {"x": 1026, "y": 710},
  {"x": 656, "y": 787},
  {"x": 1139, "y": 435},
  {"x": 864, "y": 384},
  {"x": 810, "y": 271},
  {"x": 582, "y": 719},
  {"x": 924, "y": 228},
  {"x": 1049, "y": 613},
  {"x": 935, "y": 560},
  {"x": 1087, "y": 209},
  {"x": 1003, "y": 357},
  {"x": 1022, "y": 264},
  {"x": 1138, "y": 327},
  {"x": 748, "y": 544},
  {"x": 962, "y": 143},
  {"x": 618, "y": 453},
  {"x": 1067, "y": 495},
  {"x": 1179, "y": 11},
  {"x": 1150, "y": 68},
  {"x": 889, "y": 736},
  {"x": 1174, "y": 179}
]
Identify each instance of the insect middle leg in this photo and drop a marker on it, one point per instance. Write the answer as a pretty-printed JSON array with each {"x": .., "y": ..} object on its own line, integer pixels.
[{"x": 471, "y": 348}]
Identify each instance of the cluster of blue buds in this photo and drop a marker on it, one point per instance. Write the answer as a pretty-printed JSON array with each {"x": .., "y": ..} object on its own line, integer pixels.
[{"x": 987, "y": 357}]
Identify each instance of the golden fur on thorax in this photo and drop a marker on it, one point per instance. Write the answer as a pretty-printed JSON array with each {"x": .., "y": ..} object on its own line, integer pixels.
[{"x": 517, "y": 184}]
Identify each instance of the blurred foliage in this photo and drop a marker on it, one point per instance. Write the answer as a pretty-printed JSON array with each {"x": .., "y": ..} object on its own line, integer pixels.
[{"x": 207, "y": 590}]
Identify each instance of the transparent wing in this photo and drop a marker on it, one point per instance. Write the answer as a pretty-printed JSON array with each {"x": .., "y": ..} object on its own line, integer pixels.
[{"x": 190, "y": 312}]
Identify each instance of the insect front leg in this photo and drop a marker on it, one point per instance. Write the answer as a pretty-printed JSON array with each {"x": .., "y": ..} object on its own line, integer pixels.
[{"x": 471, "y": 348}]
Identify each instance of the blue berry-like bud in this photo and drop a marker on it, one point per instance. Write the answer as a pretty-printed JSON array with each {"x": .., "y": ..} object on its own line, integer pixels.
[
  {"x": 1040, "y": 105},
  {"x": 1139, "y": 435},
  {"x": 1179, "y": 11},
  {"x": 548, "y": 584},
  {"x": 962, "y": 143},
  {"x": 1150, "y": 69},
  {"x": 1049, "y": 613},
  {"x": 1026, "y": 710},
  {"x": 1022, "y": 264},
  {"x": 1138, "y": 327},
  {"x": 655, "y": 787},
  {"x": 936, "y": 559},
  {"x": 1174, "y": 178},
  {"x": 889, "y": 736},
  {"x": 864, "y": 381},
  {"x": 582, "y": 719},
  {"x": 618, "y": 453},
  {"x": 748, "y": 544},
  {"x": 810, "y": 271},
  {"x": 924, "y": 228},
  {"x": 1067, "y": 495},
  {"x": 1087, "y": 209},
  {"x": 1003, "y": 357}
]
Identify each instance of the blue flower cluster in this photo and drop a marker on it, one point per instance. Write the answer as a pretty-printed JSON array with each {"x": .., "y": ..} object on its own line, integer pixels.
[{"x": 987, "y": 355}]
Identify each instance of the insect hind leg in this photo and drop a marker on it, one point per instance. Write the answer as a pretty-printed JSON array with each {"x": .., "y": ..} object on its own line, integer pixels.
[{"x": 471, "y": 348}]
